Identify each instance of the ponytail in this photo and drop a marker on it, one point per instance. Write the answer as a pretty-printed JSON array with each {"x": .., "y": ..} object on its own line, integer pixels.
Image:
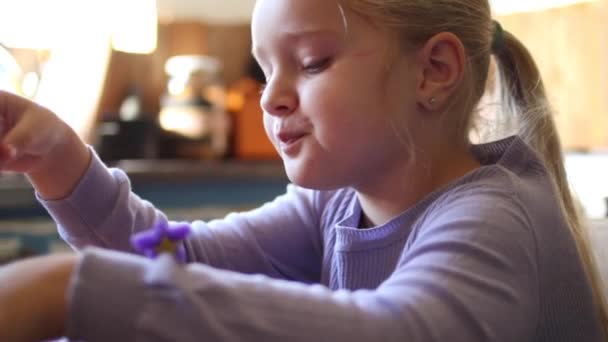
[{"x": 523, "y": 97}]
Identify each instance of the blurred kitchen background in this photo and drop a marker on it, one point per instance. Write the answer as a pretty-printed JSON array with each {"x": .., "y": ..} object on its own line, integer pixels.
[{"x": 167, "y": 90}]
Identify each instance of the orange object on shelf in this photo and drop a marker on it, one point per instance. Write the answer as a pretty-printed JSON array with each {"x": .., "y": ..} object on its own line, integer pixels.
[{"x": 250, "y": 140}]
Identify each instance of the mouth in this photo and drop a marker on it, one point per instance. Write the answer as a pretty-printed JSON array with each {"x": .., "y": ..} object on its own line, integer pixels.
[
  {"x": 290, "y": 142},
  {"x": 289, "y": 138}
]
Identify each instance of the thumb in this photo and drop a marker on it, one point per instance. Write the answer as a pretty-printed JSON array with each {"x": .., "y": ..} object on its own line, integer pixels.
[
  {"x": 34, "y": 133},
  {"x": 7, "y": 152},
  {"x": 12, "y": 108}
]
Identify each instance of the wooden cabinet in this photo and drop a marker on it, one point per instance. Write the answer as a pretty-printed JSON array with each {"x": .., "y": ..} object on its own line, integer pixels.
[{"x": 570, "y": 46}]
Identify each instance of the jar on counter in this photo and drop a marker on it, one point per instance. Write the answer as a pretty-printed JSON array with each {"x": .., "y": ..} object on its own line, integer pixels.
[{"x": 194, "y": 107}]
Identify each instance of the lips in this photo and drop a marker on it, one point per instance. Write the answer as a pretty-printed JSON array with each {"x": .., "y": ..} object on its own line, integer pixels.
[
  {"x": 290, "y": 133},
  {"x": 288, "y": 138}
]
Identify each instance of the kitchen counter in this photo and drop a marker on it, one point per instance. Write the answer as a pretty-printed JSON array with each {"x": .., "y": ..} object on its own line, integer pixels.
[{"x": 170, "y": 184}]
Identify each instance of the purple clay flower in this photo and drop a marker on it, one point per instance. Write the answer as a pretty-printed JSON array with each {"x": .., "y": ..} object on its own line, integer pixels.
[{"x": 163, "y": 237}]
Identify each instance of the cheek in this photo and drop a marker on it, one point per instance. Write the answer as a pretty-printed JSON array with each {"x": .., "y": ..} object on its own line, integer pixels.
[
  {"x": 350, "y": 89},
  {"x": 347, "y": 102},
  {"x": 269, "y": 128}
]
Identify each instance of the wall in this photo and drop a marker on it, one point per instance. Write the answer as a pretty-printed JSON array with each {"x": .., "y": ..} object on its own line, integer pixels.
[
  {"x": 570, "y": 46},
  {"x": 231, "y": 43}
]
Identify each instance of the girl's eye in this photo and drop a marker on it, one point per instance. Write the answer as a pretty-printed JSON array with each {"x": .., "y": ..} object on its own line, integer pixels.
[
  {"x": 317, "y": 67},
  {"x": 263, "y": 87}
]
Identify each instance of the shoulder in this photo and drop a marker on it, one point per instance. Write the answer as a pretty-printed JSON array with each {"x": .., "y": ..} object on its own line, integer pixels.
[
  {"x": 481, "y": 229},
  {"x": 485, "y": 212},
  {"x": 488, "y": 196},
  {"x": 513, "y": 190}
]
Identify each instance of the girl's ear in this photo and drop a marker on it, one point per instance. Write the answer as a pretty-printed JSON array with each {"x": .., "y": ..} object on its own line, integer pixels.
[{"x": 441, "y": 69}]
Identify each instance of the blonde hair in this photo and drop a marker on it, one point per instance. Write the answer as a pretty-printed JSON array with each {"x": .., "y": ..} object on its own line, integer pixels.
[{"x": 523, "y": 96}]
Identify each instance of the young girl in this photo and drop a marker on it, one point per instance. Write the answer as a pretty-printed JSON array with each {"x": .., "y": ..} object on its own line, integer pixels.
[{"x": 397, "y": 228}]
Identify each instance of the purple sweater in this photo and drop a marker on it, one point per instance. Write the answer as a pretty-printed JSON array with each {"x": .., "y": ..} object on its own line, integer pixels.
[{"x": 486, "y": 258}]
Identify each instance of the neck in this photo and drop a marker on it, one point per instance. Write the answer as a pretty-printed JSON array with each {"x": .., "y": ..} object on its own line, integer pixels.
[{"x": 404, "y": 184}]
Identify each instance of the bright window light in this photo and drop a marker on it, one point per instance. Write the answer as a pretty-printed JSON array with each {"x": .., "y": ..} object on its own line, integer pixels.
[
  {"x": 78, "y": 37},
  {"x": 34, "y": 24},
  {"x": 44, "y": 24},
  {"x": 79, "y": 34},
  {"x": 135, "y": 26}
]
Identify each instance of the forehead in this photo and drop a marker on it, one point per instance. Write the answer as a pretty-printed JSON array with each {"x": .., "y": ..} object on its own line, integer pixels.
[{"x": 275, "y": 17}]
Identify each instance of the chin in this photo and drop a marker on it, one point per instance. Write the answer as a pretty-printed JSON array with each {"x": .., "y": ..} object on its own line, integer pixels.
[{"x": 310, "y": 176}]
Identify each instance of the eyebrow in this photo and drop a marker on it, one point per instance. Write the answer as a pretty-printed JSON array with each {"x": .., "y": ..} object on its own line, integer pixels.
[{"x": 301, "y": 34}]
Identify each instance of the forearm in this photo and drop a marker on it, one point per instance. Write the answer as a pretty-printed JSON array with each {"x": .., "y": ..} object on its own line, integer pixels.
[
  {"x": 165, "y": 301},
  {"x": 101, "y": 210},
  {"x": 29, "y": 311}
]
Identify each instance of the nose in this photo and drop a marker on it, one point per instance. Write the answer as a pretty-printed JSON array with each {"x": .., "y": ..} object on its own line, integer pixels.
[{"x": 279, "y": 98}]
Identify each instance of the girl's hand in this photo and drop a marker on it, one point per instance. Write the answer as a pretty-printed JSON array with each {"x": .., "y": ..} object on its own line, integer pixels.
[
  {"x": 34, "y": 141},
  {"x": 33, "y": 298}
]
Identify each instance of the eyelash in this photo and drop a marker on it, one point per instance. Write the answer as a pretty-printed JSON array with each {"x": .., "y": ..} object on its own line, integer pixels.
[
  {"x": 317, "y": 67},
  {"x": 312, "y": 69}
]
